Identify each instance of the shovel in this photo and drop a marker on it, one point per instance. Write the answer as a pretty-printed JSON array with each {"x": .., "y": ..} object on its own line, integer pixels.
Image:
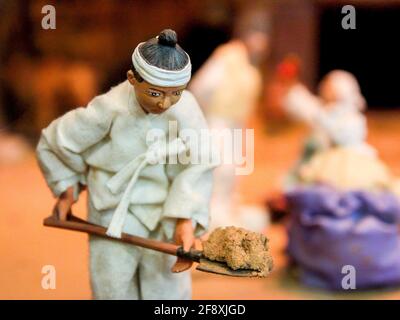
[{"x": 185, "y": 258}]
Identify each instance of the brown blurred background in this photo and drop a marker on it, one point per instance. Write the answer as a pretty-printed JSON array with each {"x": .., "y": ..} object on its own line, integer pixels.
[{"x": 44, "y": 73}]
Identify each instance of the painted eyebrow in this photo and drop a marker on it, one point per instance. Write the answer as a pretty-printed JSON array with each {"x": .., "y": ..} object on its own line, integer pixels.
[{"x": 156, "y": 90}]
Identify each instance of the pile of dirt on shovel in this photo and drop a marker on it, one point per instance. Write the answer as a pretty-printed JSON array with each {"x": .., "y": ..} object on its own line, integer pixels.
[{"x": 239, "y": 249}]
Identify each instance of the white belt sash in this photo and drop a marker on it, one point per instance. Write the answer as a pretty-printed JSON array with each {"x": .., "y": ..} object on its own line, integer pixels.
[{"x": 157, "y": 153}]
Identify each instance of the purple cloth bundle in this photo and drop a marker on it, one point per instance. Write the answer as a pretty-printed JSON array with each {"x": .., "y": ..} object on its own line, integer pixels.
[{"x": 330, "y": 229}]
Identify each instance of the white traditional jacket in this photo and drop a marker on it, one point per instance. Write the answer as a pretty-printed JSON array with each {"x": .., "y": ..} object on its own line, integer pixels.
[{"x": 105, "y": 147}]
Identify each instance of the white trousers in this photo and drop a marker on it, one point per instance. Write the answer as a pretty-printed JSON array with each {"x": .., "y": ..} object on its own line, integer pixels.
[{"x": 125, "y": 271}]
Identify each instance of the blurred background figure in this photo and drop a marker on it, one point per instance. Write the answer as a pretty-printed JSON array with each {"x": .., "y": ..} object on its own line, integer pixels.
[
  {"x": 228, "y": 87},
  {"x": 335, "y": 115},
  {"x": 343, "y": 203},
  {"x": 341, "y": 199}
]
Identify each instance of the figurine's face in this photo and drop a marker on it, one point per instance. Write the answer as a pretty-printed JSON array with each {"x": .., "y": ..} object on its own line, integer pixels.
[
  {"x": 340, "y": 86},
  {"x": 155, "y": 99}
]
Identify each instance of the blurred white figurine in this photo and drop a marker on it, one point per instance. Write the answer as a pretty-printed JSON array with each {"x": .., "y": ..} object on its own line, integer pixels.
[
  {"x": 337, "y": 152},
  {"x": 227, "y": 88},
  {"x": 335, "y": 116}
]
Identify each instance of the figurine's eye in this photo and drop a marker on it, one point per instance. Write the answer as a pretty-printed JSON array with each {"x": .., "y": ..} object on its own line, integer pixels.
[
  {"x": 154, "y": 94},
  {"x": 178, "y": 93}
]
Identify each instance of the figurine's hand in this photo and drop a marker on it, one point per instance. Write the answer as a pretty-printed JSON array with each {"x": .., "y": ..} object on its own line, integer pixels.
[
  {"x": 64, "y": 203},
  {"x": 184, "y": 233}
]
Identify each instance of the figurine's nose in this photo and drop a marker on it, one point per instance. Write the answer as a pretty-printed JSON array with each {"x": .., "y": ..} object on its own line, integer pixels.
[{"x": 165, "y": 104}]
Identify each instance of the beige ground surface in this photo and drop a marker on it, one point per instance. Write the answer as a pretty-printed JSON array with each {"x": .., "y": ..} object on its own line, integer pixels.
[{"x": 26, "y": 246}]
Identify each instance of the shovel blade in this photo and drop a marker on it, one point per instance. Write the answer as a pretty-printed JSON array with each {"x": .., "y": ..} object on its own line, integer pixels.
[
  {"x": 206, "y": 265},
  {"x": 181, "y": 265}
]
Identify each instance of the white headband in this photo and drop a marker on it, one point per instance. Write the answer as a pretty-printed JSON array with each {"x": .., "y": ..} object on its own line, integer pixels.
[{"x": 160, "y": 77}]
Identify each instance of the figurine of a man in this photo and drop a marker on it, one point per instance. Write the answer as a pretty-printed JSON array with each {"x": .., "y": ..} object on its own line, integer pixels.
[{"x": 105, "y": 147}]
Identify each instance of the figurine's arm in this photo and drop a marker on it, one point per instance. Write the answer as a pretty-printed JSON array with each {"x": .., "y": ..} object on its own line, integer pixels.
[
  {"x": 191, "y": 186},
  {"x": 301, "y": 104},
  {"x": 62, "y": 143}
]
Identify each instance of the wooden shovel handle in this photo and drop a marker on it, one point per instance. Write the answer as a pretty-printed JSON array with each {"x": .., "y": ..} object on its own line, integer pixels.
[{"x": 76, "y": 224}]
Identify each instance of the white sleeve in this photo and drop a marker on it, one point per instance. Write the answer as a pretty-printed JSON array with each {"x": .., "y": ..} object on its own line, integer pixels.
[
  {"x": 62, "y": 143},
  {"x": 301, "y": 104}
]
